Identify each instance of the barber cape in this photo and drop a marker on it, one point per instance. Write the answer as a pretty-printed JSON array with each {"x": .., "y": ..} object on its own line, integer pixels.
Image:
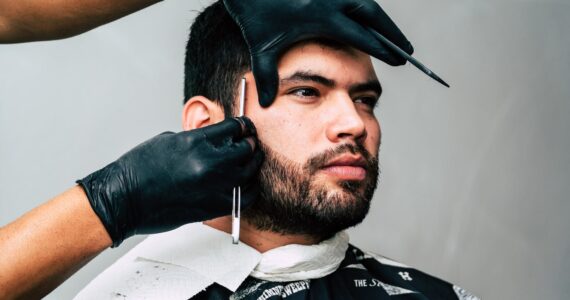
[{"x": 198, "y": 262}]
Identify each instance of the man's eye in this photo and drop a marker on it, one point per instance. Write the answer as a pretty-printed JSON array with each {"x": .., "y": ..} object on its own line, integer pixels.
[
  {"x": 370, "y": 101},
  {"x": 305, "y": 92}
]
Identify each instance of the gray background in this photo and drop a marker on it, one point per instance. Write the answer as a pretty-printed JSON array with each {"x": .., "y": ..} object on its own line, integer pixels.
[{"x": 475, "y": 178}]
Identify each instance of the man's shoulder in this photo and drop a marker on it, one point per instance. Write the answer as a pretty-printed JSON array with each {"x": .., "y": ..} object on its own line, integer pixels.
[{"x": 398, "y": 278}]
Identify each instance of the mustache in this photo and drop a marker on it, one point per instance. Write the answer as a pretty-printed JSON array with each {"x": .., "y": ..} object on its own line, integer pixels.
[{"x": 317, "y": 161}]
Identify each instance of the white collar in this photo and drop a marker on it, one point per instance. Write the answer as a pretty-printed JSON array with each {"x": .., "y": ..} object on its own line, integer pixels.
[
  {"x": 298, "y": 262},
  {"x": 201, "y": 255}
]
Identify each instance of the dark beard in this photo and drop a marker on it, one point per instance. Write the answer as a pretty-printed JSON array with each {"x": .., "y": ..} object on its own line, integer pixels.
[{"x": 291, "y": 202}]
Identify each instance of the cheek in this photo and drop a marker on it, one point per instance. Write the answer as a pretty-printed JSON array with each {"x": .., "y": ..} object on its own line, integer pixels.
[
  {"x": 284, "y": 135},
  {"x": 374, "y": 136},
  {"x": 283, "y": 127},
  {"x": 285, "y": 132}
]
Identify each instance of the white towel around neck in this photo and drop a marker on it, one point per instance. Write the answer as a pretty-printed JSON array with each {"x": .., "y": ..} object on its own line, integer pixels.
[{"x": 299, "y": 262}]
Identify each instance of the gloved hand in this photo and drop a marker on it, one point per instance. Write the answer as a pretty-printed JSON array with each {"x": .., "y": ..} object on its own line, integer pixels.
[
  {"x": 271, "y": 26},
  {"x": 175, "y": 178}
]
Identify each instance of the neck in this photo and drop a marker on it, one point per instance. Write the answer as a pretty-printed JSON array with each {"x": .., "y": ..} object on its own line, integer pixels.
[{"x": 261, "y": 241}]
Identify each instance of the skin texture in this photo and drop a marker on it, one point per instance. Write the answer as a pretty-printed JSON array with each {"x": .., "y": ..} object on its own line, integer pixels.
[
  {"x": 299, "y": 124},
  {"x": 36, "y": 20},
  {"x": 35, "y": 260}
]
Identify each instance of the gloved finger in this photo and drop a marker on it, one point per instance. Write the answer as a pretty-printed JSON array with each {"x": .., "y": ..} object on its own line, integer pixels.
[
  {"x": 249, "y": 171},
  {"x": 358, "y": 37},
  {"x": 264, "y": 68},
  {"x": 166, "y": 133},
  {"x": 247, "y": 126},
  {"x": 235, "y": 8},
  {"x": 370, "y": 14},
  {"x": 249, "y": 193},
  {"x": 157, "y": 139},
  {"x": 244, "y": 173},
  {"x": 234, "y": 128},
  {"x": 239, "y": 152}
]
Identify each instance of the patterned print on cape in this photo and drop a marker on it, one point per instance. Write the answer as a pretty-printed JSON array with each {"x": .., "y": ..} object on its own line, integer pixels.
[{"x": 360, "y": 276}]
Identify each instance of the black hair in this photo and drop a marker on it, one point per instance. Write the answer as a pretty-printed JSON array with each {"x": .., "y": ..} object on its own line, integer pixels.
[{"x": 216, "y": 58}]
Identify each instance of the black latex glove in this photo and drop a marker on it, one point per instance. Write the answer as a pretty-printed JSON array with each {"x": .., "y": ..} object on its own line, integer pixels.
[
  {"x": 271, "y": 26},
  {"x": 174, "y": 179}
]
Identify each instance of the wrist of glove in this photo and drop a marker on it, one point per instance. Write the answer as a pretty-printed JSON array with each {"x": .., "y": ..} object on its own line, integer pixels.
[
  {"x": 102, "y": 191},
  {"x": 176, "y": 178}
]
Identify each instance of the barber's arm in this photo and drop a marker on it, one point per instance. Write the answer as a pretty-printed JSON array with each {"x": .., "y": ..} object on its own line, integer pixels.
[
  {"x": 48, "y": 244},
  {"x": 168, "y": 181},
  {"x": 36, "y": 20}
]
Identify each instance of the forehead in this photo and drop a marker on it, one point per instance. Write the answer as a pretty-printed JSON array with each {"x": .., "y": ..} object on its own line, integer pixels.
[{"x": 340, "y": 63}]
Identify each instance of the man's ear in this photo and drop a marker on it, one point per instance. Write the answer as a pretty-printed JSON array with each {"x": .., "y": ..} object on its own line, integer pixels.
[{"x": 200, "y": 111}]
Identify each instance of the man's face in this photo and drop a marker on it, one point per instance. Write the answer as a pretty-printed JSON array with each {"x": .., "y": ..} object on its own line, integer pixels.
[{"x": 321, "y": 140}]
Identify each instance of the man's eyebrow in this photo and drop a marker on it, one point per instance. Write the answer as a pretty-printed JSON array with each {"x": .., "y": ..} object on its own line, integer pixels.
[
  {"x": 372, "y": 85},
  {"x": 308, "y": 76},
  {"x": 300, "y": 76}
]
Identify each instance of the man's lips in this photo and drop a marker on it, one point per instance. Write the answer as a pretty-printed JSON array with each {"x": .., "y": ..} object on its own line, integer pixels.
[{"x": 346, "y": 167}]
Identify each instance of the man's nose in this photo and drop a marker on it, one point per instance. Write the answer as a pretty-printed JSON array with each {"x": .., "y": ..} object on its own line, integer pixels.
[{"x": 345, "y": 122}]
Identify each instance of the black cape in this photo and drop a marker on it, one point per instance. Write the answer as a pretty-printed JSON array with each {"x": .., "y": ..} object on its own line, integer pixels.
[{"x": 359, "y": 276}]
